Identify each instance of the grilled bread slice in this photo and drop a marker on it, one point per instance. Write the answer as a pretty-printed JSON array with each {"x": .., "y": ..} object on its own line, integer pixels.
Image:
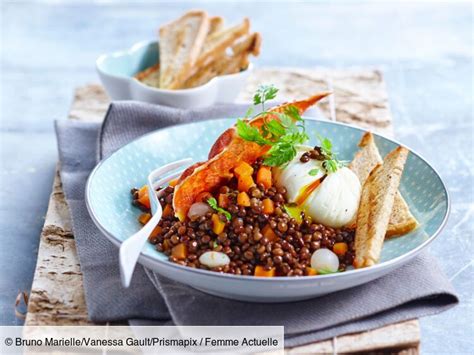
[
  {"x": 377, "y": 199},
  {"x": 227, "y": 64},
  {"x": 213, "y": 51},
  {"x": 250, "y": 44},
  {"x": 217, "y": 42},
  {"x": 151, "y": 75},
  {"x": 181, "y": 42},
  {"x": 216, "y": 23},
  {"x": 214, "y": 56},
  {"x": 401, "y": 219}
]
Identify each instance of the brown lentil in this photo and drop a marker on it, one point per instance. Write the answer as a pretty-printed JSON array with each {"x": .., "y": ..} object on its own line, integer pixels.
[
  {"x": 305, "y": 158},
  {"x": 243, "y": 240}
]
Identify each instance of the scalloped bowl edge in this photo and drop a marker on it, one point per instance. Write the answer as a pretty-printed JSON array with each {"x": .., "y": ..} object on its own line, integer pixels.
[{"x": 116, "y": 71}]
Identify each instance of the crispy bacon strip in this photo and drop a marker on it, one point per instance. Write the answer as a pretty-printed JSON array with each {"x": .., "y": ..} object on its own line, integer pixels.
[{"x": 226, "y": 153}]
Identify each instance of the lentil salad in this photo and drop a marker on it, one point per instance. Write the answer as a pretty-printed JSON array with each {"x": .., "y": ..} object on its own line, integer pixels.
[
  {"x": 266, "y": 205},
  {"x": 261, "y": 238}
]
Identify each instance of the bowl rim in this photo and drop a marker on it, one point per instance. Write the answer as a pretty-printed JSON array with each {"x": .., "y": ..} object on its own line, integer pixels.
[
  {"x": 135, "y": 47},
  {"x": 338, "y": 275}
]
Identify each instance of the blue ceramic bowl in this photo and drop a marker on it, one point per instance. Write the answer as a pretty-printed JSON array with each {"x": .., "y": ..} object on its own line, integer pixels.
[
  {"x": 109, "y": 202},
  {"x": 117, "y": 70}
]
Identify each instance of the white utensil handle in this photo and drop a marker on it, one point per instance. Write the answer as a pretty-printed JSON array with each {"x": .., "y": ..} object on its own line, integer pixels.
[{"x": 131, "y": 248}]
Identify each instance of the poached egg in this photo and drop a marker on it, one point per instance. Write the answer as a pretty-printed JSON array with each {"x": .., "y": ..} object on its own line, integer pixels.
[{"x": 331, "y": 199}]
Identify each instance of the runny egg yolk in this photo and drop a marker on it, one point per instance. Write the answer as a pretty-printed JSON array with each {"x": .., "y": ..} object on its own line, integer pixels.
[{"x": 306, "y": 191}]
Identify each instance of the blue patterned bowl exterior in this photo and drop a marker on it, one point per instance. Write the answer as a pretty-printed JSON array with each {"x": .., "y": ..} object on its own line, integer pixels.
[{"x": 108, "y": 189}]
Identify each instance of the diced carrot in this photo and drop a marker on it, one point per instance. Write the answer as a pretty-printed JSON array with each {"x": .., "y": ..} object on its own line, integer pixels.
[
  {"x": 156, "y": 232},
  {"x": 264, "y": 176},
  {"x": 143, "y": 197},
  {"x": 340, "y": 248},
  {"x": 143, "y": 191},
  {"x": 166, "y": 244},
  {"x": 168, "y": 211},
  {"x": 223, "y": 200},
  {"x": 144, "y": 218},
  {"x": 261, "y": 272},
  {"x": 179, "y": 251},
  {"x": 217, "y": 224},
  {"x": 173, "y": 182},
  {"x": 310, "y": 271},
  {"x": 268, "y": 206},
  {"x": 268, "y": 232},
  {"x": 245, "y": 182},
  {"x": 243, "y": 169},
  {"x": 243, "y": 199},
  {"x": 203, "y": 196}
]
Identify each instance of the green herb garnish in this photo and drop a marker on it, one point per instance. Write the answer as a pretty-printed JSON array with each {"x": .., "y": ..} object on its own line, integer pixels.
[
  {"x": 313, "y": 172},
  {"x": 249, "y": 112},
  {"x": 264, "y": 93},
  {"x": 250, "y": 133},
  {"x": 282, "y": 134},
  {"x": 284, "y": 150},
  {"x": 326, "y": 145},
  {"x": 326, "y": 272},
  {"x": 330, "y": 163},
  {"x": 293, "y": 112},
  {"x": 213, "y": 203},
  {"x": 294, "y": 212},
  {"x": 215, "y": 245}
]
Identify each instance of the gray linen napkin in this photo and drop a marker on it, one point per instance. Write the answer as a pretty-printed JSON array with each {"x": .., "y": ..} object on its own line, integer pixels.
[{"x": 417, "y": 289}]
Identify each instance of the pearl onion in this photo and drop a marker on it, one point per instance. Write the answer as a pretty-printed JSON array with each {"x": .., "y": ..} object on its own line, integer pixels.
[
  {"x": 198, "y": 209},
  {"x": 214, "y": 259},
  {"x": 324, "y": 259}
]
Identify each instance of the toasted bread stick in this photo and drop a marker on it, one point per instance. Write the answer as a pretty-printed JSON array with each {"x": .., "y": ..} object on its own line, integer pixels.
[
  {"x": 181, "y": 43},
  {"x": 377, "y": 199},
  {"x": 401, "y": 219}
]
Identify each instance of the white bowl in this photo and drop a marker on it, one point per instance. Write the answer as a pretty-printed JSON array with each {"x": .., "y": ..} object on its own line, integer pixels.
[{"x": 117, "y": 70}]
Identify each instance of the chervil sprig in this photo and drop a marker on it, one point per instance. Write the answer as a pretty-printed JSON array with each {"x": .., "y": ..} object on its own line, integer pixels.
[
  {"x": 330, "y": 163},
  {"x": 213, "y": 203},
  {"x": 282, "y": 137},
  {"x": 250, "y": 133},
  {"x": 284, "y": 150},
  {"x": 263, "y": 94},
  {"x": 282, "y": 131}
]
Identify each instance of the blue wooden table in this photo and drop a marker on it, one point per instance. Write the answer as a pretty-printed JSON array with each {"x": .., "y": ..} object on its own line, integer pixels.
[{"x": 424, "y": 49}]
